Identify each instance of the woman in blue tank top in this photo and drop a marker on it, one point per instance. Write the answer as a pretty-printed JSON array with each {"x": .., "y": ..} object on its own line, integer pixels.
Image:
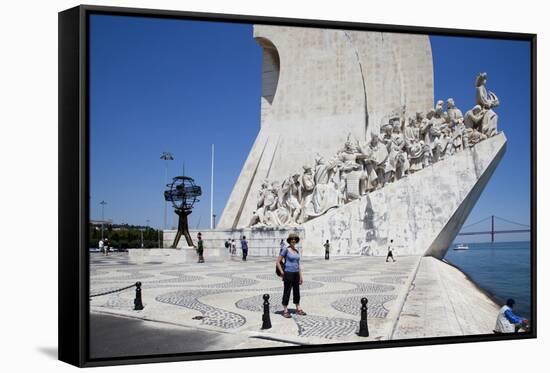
[{"x": 291, "y": 274}]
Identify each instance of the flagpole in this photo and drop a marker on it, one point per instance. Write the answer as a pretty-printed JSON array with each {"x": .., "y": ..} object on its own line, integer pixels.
[{"x": 212, "y": 192}]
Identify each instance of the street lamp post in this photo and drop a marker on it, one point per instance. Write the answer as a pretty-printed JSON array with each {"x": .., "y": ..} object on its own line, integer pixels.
[
  {"x": 166, "y": 156},
  {"x": 146, "y": 226},
  {"x": 102, "y": 203}
]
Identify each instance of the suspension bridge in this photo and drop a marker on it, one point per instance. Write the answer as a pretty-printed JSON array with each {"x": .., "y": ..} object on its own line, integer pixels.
[{"x": 522, "y": 228}]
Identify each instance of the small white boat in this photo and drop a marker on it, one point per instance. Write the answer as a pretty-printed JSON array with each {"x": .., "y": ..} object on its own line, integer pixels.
[{"x": 461, "y": 246}]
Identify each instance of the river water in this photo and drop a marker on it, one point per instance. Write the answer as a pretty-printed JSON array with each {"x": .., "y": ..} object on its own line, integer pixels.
[{"x": 501, "y": 268}]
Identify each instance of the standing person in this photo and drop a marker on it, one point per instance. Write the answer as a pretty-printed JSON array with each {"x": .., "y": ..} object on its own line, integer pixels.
[
  {"x": 327, "y": 250},
  {"x": 227, "y": 245},
  {"x": 390, "y": 252},
  {"x": 200, "y": 248},
  {"x": 291, "y": 274},
  {"x": 106, "y": 246},
  {"x": 233, "y": 247},
  {"x": 244, "y": 247},
  {"x": 507, "y": 321},
  {"x": 100, "y": 245}
]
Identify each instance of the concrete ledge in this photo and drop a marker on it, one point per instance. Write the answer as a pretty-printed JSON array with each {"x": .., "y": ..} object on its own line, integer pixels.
[
  {"x": 442, "y": 302},
  {"x": 179, "y": 255}
]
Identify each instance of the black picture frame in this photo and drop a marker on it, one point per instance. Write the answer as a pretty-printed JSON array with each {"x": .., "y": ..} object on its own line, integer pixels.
[{"x": 74, "y": 183}]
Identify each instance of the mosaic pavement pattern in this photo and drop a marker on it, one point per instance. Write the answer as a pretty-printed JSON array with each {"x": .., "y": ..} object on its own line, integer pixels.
[{"x": 227, "y": 295}]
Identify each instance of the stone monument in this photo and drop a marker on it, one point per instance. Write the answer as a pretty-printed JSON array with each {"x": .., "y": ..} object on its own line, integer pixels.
[{"x": 351, "y": 148}]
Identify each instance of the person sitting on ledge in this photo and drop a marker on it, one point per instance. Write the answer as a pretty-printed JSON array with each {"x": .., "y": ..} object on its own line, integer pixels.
[{"x": 507, "y": 321}]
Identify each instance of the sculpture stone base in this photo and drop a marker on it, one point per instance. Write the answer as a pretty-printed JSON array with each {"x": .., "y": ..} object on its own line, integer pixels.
[
  {"x": 422, "y": 213},
  {"x": 261, "y": 241},
  {"x": 140, "y": 256}
]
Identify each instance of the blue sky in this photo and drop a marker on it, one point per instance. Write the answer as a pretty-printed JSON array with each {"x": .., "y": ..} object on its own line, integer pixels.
[{"x": 171, "y": 85}]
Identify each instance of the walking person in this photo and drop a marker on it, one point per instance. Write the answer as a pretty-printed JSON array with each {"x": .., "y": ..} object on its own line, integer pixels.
[
  {"x": 390, "y": 252},
  {"x": 233, "y": 247},
  {"x": 101, "y": 246},
  {"x": 244, "y": 248},
  {"x": 327, "y": 250},
  {"x": 106, "y": 246},
  {"x": 291, "y": 274},
  {"x": 507, "y": 321},
  {"x": 200, "y": 248}
]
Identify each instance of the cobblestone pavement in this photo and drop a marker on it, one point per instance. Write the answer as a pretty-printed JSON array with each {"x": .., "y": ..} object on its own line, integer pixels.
[{"x": 226, "y": 295}]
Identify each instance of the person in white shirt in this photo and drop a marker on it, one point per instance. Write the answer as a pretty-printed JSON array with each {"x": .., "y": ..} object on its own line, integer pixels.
[
  {"x": 233, "y": 247},
  {"x": 507, "y": 321}
]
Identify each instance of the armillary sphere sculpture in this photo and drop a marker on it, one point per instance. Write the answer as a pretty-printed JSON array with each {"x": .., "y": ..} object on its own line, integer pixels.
[{"x": 183, "y": 193}]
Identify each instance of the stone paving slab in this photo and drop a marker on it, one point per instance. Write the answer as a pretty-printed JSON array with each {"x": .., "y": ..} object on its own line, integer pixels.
[
  {"x": 444, "y": 302},
  {"x": 226, "y": 295}
]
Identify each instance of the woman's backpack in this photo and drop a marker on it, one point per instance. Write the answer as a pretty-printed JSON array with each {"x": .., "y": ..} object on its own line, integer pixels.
[{"x": 279, "y": 273}]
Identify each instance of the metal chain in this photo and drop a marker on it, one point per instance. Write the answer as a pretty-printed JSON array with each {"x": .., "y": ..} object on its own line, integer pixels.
[{"x": 112, "y": 291}]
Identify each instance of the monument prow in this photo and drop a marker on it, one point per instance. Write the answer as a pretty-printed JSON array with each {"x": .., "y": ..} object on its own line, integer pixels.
[{"x": 422, "y": 213}]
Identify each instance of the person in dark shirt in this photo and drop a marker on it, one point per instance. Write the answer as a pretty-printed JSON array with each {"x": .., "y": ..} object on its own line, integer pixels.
[
  {"x": 390, "y": 252},
  {"x": 200, "y": 248},
  {"x": 244, "y": 247}
]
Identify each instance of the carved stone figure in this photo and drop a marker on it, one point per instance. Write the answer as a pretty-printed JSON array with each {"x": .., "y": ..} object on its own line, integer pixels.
[
  {"x": 397, "y": 164},
  {"x": 487, "y": 100},
  {"x": 473, "y": 117},
  {"x": 308, "y": 185},
  {"x": 347, "y": 163},
  {"x": 411, "y": 132},
  {"x": 454, "y": 115},
  {"x": 472, "y": 137},
  {"x": 376, "y": 156},
  {"x": 276, "y": 214},
  {"x": 440, "y": 116},
  {"x": 445, "y": 143},
  {"x": 484, "y": 98},
  {"x": 435, "y": 125},
  {"x": 290, "y": 196},
  {"x": 456, "y": 125},
  {"x": 414, "y": 147},
  {"x": 258, "y": 215},
  {"x": 325, "y": 192}
]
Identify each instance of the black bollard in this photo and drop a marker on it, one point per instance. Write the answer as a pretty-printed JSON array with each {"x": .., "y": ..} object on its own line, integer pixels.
[
  {"x": 265, "y": 317},
  {"x": 363, "y": 326},
  {"x": 138, "y": 305}
]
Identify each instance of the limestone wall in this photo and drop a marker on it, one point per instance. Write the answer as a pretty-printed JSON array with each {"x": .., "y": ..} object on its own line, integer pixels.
[{"x": 318, "y": 86}]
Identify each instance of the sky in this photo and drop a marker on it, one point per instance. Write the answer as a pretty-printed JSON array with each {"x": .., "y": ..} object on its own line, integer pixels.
[{"x": 174, "y": 85}]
